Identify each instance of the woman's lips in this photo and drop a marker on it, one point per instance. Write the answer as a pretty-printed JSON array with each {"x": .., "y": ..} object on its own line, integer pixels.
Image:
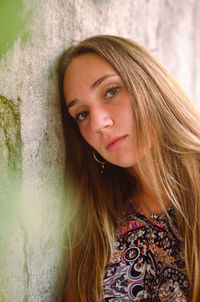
[{"x": 116, "y": 143}]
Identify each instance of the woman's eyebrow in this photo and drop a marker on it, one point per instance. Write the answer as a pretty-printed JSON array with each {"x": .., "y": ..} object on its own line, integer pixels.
[
  {"x": 94, "y": 85},
  {"x": 72, "y": 103},
  {"x": 100, "y": 80}
]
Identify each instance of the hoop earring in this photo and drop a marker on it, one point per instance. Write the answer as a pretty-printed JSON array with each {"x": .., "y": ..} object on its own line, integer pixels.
[{"x": 102, "y": 163}]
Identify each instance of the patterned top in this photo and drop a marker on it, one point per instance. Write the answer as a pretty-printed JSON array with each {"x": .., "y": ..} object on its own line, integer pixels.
[{"x": 147, "y": 263}]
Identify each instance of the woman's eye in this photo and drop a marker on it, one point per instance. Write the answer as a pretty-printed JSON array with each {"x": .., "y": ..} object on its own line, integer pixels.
[
  {"x": 111, "y": 92},
  {"x": 81, "y": 116}
]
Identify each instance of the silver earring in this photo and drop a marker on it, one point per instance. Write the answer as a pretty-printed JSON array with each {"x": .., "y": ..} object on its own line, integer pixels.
[{"x": 102, "y": 163}]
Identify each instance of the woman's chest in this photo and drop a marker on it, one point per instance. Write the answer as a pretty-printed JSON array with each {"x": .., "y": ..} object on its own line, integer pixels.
[{"x": 147, "y": 264}]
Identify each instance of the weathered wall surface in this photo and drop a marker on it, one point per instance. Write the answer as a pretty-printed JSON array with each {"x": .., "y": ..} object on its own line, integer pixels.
[{"x": 31, "y": 193}]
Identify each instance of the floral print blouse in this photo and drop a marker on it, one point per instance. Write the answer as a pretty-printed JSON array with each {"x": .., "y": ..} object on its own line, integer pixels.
[{"x": 147, "y": 263}]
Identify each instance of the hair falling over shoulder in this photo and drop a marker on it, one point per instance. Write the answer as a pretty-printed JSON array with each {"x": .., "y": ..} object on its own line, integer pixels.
[{"x": 161, "y": 110}]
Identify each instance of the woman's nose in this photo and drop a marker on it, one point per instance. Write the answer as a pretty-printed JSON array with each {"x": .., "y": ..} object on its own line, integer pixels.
[{"x": 100, "y": 119}]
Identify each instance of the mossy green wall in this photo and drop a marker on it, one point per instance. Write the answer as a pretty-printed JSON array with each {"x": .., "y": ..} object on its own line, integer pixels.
[{"x": 10, "y": 156}]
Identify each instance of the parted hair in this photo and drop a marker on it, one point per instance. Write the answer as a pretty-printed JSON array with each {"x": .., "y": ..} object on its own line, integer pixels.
[{"x": 163, "y": 112}]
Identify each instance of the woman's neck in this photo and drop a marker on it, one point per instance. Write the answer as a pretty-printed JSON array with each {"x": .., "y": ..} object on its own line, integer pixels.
[{"x": 146, "y": 198}]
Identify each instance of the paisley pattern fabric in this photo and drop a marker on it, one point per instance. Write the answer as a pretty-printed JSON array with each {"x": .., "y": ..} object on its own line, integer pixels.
[{"x": 147, "y": 263}]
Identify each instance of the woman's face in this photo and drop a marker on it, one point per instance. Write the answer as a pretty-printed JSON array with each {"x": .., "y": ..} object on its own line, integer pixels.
[{"x": 98, "y": 100}]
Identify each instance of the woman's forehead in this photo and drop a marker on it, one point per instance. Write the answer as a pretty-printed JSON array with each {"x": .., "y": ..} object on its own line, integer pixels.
[
  {"x": 86, "y": 70},
  {"x": 87, "y": 63}
]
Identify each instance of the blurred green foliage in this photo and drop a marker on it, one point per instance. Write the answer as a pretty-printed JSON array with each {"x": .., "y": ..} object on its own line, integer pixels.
[{"x": 13, "y": 22}]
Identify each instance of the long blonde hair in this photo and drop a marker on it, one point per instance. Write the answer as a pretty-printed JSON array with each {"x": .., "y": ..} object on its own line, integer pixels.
[{"x": 163, "y": 112}]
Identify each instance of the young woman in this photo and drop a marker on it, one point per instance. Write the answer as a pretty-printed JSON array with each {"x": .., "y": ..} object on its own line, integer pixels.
[{"x": 133, "y": 175}]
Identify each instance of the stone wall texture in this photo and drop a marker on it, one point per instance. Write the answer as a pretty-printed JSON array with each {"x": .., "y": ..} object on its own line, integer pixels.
[{"x": 32, "y": 261}]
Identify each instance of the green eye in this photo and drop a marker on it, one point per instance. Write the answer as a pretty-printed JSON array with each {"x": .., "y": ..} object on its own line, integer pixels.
[
  {"x": 81, "y": 116},
  {"x": 111, "y": 92}
]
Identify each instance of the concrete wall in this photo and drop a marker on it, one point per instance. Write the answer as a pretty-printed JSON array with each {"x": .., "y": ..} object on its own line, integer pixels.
[{"x": 31, "y": 142}]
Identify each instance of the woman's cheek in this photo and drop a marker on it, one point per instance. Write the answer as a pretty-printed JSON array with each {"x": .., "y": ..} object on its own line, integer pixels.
[{"x": 85, "y": 132}]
